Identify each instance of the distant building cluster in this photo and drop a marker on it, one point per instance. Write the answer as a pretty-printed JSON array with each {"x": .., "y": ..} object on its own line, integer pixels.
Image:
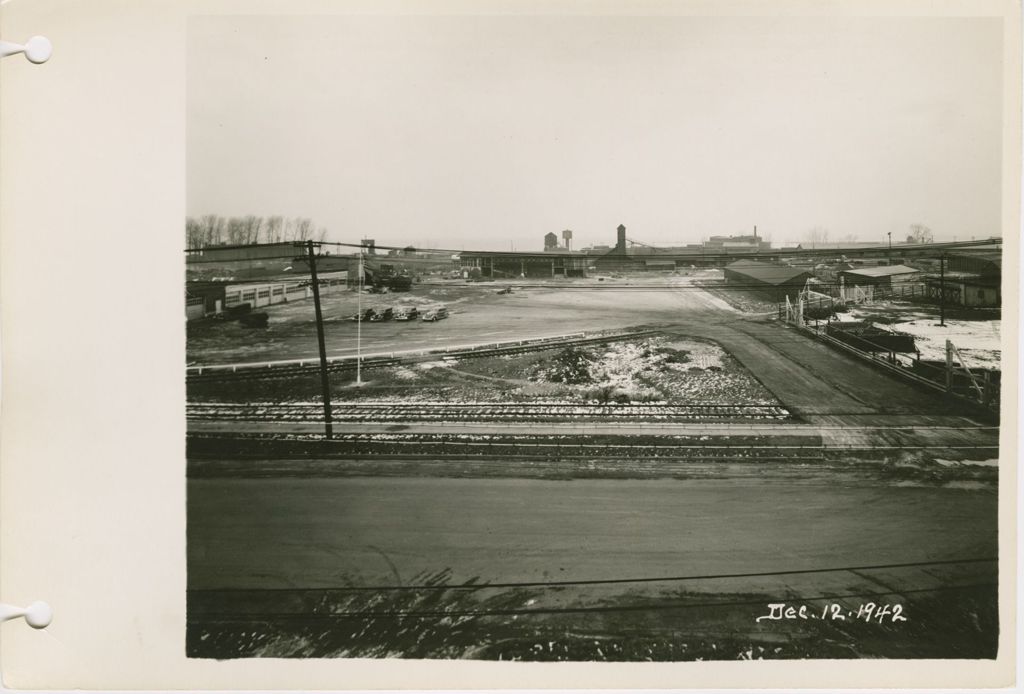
[
  {"x": 559, "y": 260},
  {"x": 969, "y": 278}
]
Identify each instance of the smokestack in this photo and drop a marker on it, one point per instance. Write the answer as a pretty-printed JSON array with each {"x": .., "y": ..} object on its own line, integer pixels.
[{"x": 620, "y": 241}]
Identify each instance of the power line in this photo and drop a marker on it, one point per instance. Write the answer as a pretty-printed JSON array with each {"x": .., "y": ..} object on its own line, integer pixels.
[
  {"x": 616, "y": 581},
  {"x": 749, "y": 287},
  {"x": 611, "y": 253},
  {"x": 295, "y": 258},
  {"x": 643, "y": 607}
]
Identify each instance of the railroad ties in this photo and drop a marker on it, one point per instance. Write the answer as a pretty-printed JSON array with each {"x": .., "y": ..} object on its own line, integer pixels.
[
  {"x": 484, "y": 412},
  {"x": 296, "y": 368}
]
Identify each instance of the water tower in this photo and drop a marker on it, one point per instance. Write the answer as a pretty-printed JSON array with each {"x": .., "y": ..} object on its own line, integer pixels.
[{"x": 567, "y": 239}]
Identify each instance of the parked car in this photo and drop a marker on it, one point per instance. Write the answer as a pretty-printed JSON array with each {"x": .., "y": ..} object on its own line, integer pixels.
[
  {"x": 435, "y": 314},
  {"x": 366, "y": 315},
  {"x": 386, "y": 314},
  {"x": 407, "y": 313}
]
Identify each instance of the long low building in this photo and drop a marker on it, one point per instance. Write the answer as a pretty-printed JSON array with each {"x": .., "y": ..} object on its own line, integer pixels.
[
  {"x": 210, "y": 298},
  {"x": 767, "y": 279},
  {"x": 883, "y": 276},
  {"x": 970, "y": 279},
  {"x": 498, "y": 264}
]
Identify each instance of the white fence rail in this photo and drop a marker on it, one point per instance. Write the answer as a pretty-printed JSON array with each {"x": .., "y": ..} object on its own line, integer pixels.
[{"x": 266, "y": 294}]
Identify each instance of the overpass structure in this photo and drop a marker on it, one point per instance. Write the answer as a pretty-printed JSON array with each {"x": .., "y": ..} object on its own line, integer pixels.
[
  {"x": 514, "y": 264},
  {"x": 569, "y": 263}
]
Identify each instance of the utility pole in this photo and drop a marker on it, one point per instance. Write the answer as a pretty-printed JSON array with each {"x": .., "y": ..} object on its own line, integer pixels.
[
  {"x": 325, "y": 381},
  {"x": 359, "y": 324},
  {"x": 942, "y": 290},
  {"x": 890, "y": 247}
]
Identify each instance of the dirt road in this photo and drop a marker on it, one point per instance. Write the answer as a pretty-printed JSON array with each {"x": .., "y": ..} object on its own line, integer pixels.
[
  {"x": 807, "y": 377},
  {"x": 288, "y": 533}
]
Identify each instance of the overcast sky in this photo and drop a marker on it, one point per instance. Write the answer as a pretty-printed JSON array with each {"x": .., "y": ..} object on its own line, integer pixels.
[{"x": 484, "y": 132}]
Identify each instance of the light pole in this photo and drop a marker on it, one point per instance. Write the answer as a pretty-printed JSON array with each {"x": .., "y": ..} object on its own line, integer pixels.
[{"x": 942, "y": 290}]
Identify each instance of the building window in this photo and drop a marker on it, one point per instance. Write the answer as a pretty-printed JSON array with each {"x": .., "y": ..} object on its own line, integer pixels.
[{"x": 981, "y": 293}]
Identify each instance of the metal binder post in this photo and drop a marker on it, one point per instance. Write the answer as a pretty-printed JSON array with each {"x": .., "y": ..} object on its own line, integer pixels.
[
  {"x": 38, "y": 614},
  {"x": 37, "y": 49}
]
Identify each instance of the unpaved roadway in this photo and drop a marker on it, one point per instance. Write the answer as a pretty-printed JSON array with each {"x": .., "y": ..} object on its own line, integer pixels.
[
  {"x": 292, "y": 532},
  {"x": 305, "y": 533}
]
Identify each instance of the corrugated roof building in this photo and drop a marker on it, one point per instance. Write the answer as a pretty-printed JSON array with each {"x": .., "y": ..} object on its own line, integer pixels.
[
  {"x": 981, "y": 264},
  {"x": 971, "y": 279},
  {"x": 884, "y": 276},
  {"x": 767, "y": 279}
]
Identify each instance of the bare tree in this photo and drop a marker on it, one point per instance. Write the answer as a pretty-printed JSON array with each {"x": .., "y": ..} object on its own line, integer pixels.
[
  {"x": 236, "y": 231},
  {"x": 212, "y": 229},
  {"x": 817, "y": 235},
  {"x": 194, "y": 237},
  {"x": 252, "y": 226},
  {"x": 274, "y": 229},
  {"x": 288, "y": 233},
  {"x": 919, "y": 233},
  {"x": 302, "y": 229}
]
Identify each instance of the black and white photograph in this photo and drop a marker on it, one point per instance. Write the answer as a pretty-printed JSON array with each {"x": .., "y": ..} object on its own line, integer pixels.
[{"x": 594, "y": 337}]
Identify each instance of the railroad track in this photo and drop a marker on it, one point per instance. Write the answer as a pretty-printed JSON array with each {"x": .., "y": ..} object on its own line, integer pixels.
[
  {"x": 476, "y": 412},
  {"x": 309, "y": 366}
]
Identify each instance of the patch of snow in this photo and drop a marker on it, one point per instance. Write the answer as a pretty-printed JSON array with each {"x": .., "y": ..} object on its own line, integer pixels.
[
  {"x": 427, "y": 365},
  {"x": 991, "y": 462},
  {"x": 702, "y": 354},
  {"x": 978, "y": 341},
  {"x": 404, "y": 373}
]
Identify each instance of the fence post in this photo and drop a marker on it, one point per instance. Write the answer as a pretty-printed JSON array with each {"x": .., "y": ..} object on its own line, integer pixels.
[{"x": 949, "y": 366}]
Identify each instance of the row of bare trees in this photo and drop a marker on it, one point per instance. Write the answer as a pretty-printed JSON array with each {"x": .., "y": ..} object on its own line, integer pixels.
[
  {"x": 213, "y": 230},
  {"x": 820, "y": 235},
  {"x": 919, "y": 233}
]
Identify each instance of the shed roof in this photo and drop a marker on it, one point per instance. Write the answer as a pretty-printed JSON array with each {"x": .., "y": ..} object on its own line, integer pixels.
[
  {"x": 883, "y": 271},
  {"x": 994, "y": 258},
  {"x": 766, "y": 272}
]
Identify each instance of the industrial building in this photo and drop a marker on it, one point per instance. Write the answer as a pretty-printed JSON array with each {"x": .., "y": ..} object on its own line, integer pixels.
[
  {"x": 204, "y": 299},
  {"x": 555, "y": 261},
  {"x": 772, "y": 281},
  {"x": 750, "y": 243},
  {"x": 628, "y": 255},
  {"x": 243, "y": 253},
  {"x": 510, "y": 264},
  {"x": 271, "y": 261},
  {"x": 970, "y": 279},
  {"x": 885, "y": 277}
]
